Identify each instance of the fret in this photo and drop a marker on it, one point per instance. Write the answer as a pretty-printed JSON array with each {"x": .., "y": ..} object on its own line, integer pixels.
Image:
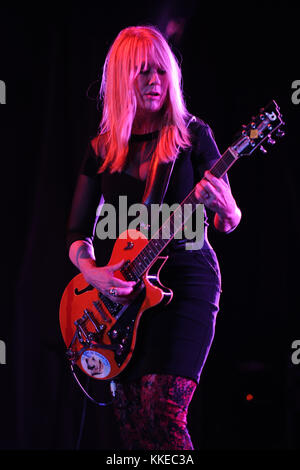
[
  {"x": 218, "y": 170},
  {"x": 139, "y": 267},
  {"x": 223, "y": 164}
]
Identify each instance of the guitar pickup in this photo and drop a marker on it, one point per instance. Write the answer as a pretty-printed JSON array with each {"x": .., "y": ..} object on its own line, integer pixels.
[
  {"x": 113, "y": 307},
  {"x": 102, "y": 312}
]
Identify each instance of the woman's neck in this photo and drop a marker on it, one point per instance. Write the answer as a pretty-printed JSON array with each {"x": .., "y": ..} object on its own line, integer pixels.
[{"x": 144, "y": 124}]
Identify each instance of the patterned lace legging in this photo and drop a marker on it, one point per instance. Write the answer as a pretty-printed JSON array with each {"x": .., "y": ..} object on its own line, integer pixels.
[{"x": 152, "y": 412}]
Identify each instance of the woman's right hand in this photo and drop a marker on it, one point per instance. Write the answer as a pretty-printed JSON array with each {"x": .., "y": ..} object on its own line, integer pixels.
[{"x": 103, "y": 279}]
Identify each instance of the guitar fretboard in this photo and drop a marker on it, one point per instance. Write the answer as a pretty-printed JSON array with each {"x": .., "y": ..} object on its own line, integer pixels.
[{"x": 223, "y": 164}]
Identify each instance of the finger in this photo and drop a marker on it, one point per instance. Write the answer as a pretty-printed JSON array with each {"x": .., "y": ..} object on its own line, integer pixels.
[
  {"x": 216, "y": 182},
  {"x": 115, "y": 267},
  {"x": 198, "y": 193},
  {"x": 123, "y": 291},
  {"x": 202, "y": 190},
  {"x": 116, "y": 282},
  {"x": 119, "y": 293},
  {"x": 209, "y": 189}
]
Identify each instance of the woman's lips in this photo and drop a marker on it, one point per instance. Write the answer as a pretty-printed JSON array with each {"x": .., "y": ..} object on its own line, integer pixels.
[{"x": 152, "y": 96}]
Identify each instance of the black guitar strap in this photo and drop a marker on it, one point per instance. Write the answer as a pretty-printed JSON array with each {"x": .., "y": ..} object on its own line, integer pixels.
[
  {"x": 157, "y": 182},
  {"x": 158, "y": 179}
]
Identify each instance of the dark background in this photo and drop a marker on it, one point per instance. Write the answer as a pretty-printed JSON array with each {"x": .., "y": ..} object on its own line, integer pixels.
[{"x": 233, "y": 62}]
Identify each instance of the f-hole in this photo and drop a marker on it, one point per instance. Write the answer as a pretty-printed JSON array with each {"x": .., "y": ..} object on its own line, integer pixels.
[{"x": 82, "y": 291}]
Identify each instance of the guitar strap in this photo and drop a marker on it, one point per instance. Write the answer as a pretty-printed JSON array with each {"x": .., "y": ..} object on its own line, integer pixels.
[
  {"x": 158, "y": 179},
  {"x": 157, "y": 182}
]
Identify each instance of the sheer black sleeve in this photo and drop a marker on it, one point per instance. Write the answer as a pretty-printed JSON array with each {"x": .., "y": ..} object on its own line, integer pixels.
[
  {"x": 205, "y": 150},
  {"x": 87, "y": 196}
]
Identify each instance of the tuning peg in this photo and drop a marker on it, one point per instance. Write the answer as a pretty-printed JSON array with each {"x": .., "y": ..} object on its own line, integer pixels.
[
  {"x": 280, "y": 133},
  {"x": 271, "y": 141},
  {"x": 262, "y": 149}
]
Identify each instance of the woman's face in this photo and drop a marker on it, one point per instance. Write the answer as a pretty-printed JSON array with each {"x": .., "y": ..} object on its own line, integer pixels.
[{"x": 151, "y": 86}]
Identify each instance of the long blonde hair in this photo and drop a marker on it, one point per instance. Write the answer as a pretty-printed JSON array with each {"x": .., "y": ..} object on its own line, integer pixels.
[{"x": 123, "y": 63}]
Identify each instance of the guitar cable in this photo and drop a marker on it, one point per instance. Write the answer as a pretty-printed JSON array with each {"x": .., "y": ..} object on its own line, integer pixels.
[
  {"x": 113, "y": 389},
  {"x": 82, "y": 421}
]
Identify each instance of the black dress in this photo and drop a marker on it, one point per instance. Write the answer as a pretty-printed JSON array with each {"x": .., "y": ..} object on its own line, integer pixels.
[{"x": 172, "y": 339}]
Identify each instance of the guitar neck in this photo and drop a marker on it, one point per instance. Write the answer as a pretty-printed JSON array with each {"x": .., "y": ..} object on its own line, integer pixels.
[
  {"x": 177, "y": 219},
  {"x": 224, "y": 163}
]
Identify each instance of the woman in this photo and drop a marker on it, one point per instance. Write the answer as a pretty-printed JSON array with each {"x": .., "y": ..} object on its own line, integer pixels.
[{"x": 144, "y": 117}]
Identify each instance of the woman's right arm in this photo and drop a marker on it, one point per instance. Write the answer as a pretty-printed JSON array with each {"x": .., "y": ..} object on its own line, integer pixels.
[
  {"x": 81, "y": 253},
  {"x": 82, "y": 220},
  {"x": 81, "y": 223},
  {"x": 80, "y": 234}
]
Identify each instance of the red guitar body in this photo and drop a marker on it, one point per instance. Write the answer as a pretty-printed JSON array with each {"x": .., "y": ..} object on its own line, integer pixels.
[{"x": 100, "y": 335}]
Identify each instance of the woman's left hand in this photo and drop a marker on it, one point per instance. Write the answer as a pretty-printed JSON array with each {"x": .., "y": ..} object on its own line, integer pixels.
[{"x": 215, "y": 194}]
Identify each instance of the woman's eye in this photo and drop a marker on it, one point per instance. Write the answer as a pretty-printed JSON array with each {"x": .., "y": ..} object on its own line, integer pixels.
[{"x": 159, "y": 71}]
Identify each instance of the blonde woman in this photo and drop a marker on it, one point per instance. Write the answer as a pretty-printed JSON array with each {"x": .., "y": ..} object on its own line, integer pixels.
[{"x": 144, "y": 117}]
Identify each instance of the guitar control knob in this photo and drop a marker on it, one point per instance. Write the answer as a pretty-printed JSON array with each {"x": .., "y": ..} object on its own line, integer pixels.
[
  {"x": 120, "y": 349},
  {"x": 280, "y": 133},
  {"x": 114, "y": 334},
  {"x": 129, "y": 246},
  {"x": 262, "y": 149},
  {"x": 271, "y": 141}
]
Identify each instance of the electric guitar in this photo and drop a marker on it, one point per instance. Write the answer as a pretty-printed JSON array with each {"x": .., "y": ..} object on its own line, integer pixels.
[{"x": 100, "y": 335}]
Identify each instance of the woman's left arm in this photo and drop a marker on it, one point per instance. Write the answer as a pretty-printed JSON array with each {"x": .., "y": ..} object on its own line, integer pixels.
[{"x": 216, "y": 195}]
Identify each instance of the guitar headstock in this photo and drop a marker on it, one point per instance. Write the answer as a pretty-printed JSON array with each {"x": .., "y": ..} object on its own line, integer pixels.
[{"x": 261, "y": 129}]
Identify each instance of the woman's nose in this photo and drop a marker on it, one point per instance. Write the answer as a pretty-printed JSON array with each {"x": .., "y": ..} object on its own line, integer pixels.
[{"x": 154, "y": 78}]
